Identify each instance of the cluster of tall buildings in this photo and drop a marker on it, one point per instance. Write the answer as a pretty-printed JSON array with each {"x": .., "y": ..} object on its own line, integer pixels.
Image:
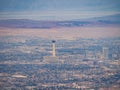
[{"x": 103, "y": 55}]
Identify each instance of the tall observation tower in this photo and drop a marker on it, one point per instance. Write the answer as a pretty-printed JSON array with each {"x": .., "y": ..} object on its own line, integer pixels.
[
  {"x": 53, "y": 46},
  {"x": 53, "y": 58}
]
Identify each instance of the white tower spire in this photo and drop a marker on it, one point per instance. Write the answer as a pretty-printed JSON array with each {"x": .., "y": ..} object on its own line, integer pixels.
[{"x": 53, "y": 51}]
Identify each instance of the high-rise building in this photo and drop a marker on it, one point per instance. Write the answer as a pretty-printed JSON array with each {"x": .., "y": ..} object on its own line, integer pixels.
[{"x": 105, "y": 53}]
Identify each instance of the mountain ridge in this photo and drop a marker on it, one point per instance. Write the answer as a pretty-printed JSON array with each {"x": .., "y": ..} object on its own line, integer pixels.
[{"x": 28, "y": 23}]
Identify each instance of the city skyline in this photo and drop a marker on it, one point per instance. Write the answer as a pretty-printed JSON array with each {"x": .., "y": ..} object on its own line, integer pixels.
[{"x": 59, "y": 44}]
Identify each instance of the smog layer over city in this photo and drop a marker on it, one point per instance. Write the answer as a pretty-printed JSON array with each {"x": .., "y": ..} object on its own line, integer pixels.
[{"x": 59, "y": 45}]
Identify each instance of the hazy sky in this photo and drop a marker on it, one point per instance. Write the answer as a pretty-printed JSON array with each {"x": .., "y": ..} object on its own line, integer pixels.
[{"x": 57, "y": 9}]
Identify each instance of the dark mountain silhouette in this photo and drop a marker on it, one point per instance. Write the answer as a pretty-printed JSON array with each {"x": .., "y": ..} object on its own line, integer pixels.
[{"x": 25, "y": 23}]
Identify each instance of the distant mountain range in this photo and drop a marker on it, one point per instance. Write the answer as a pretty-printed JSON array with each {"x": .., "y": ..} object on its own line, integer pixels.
[
  {"x": 112, "y": 18},
  {"x": 97, "y": 21}
]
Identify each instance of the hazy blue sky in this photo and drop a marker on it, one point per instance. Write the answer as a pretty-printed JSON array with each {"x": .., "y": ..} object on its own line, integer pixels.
[{"x": 57, "y": 9}]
